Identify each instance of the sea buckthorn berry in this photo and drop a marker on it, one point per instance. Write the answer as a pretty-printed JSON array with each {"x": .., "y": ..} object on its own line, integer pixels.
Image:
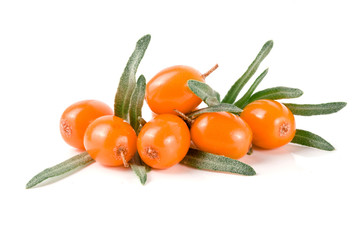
[
  {"x": 168, "y": 90},
  {"x": 77, "y": 117},
  {"x": 163, "y": 141},
  {"x": 221, "y": 133},
  {"x": 272, "y": 123},
  {"x": 110, "y": 141}
]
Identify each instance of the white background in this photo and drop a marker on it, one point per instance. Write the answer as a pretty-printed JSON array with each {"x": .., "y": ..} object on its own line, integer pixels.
[{"x": 54, "y": 53}]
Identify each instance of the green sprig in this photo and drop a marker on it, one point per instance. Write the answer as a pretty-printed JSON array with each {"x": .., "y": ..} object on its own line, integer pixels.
[
  {"x": 241, "y": 103},
  {"x": 128, "y": 79},
  {"x": 139, "y": 168},
  {"x": 315, "y": 109},
  {"x": 136, "y": 103},
  {"x": 129, "y": 99},
  {"x": 62, "y": 169},
  {"x": 205, "y": 92},
  {"x": 276, "y": 93},
  {"x": 208, "y": 161},
  {"x": 310, "y": 139},
  {"x": 240, "y": 83},
  {"x": 222, "y": 107}
]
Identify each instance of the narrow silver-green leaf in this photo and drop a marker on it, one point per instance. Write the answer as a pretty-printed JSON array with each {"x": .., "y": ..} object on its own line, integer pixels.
[
  {"x": 135, "y": 115},
  {"x": 310, "y": 139},
  {"x": 139, "y": 168},
  {"x": 222, "y": 107},
  {"x": 140, "y": 171},
  {"x": 241, "y": 103},
  {"x": 75, "y": 163},
  {"x": 315, "y": 109},
  {"x": 128, "y": 78},
  {"x": 208, "y": 161},
  {"x": 240, "y": 83},
  {"x": 136, "y": 103},
  {"x": 218, "y": 96},
  {"x": 276, "y": 93},
  {"x": 204, "y": 91}
]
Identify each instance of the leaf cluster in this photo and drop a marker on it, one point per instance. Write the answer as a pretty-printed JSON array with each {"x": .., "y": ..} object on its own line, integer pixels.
[{"x": 212, "y": 99}]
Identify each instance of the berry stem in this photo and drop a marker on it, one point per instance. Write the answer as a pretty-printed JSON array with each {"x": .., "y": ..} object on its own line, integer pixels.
[
  {"x": 142, "y": 121},
  {"x": 250, "y": 151},
  {"x": 210, "y": 71},
  {"x": 184, "y": 117},
  {"x": 123, "y": 159}
]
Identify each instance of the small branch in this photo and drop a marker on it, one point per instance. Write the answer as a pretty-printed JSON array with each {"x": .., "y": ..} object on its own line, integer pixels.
[
  {"x": 210, "y": 71},
  {"x": 126, "y": 164},
  {"x": 184, "y": 117},
  {"x": 142, "y": 121},
  {"x": 250, "y": 151}
]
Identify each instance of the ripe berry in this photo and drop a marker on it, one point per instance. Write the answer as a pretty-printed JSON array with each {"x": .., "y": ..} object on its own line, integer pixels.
[
  {"x": 77, "y": 117},
  {"x": 163, "y": 141},
  {"x": 110, "y": 141},
  {"x": 221, "y": 133},
  {"x": 272, "y": 123},
  {"x": 168, "y": 90}
]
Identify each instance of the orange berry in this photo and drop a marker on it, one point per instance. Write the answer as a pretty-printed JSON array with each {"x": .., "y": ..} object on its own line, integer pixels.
[
  {"x": 110, "y": 141},
  {"x": 168, "y": 90},
  {"x": 272, "y": 123},
  {"x": 163, "y": 141},
  {"x": 221, "y": 133},
  {"x": 77, "y": 117}
]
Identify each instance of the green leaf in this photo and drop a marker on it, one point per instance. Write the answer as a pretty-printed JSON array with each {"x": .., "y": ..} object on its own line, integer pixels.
[
  {"x": 241, "y": 103},
  {"x": 140, "y": 171},
  {"x": 310, "y": 139},
  {"x": 136, "y": 103},
  {"x": 128, "y": 79},
  {"x": 217, "y": 96},
  {"x": 315, "y": 109},
  {"x": 65, "y": 168},
  {"x": 240, "y": 83},
  {"x": 139, "y": 168},
  {"x": 204, "y": 91},
  {"x": 208, "y": 161},
  {"x": 276, "y": 93},
  {"x": 222, "y": 107}
]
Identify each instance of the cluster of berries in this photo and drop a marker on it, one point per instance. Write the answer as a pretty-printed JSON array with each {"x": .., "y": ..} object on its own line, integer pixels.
[
  {"x": 211, "y": 138},
  {"x": 165, "y": 140}
]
